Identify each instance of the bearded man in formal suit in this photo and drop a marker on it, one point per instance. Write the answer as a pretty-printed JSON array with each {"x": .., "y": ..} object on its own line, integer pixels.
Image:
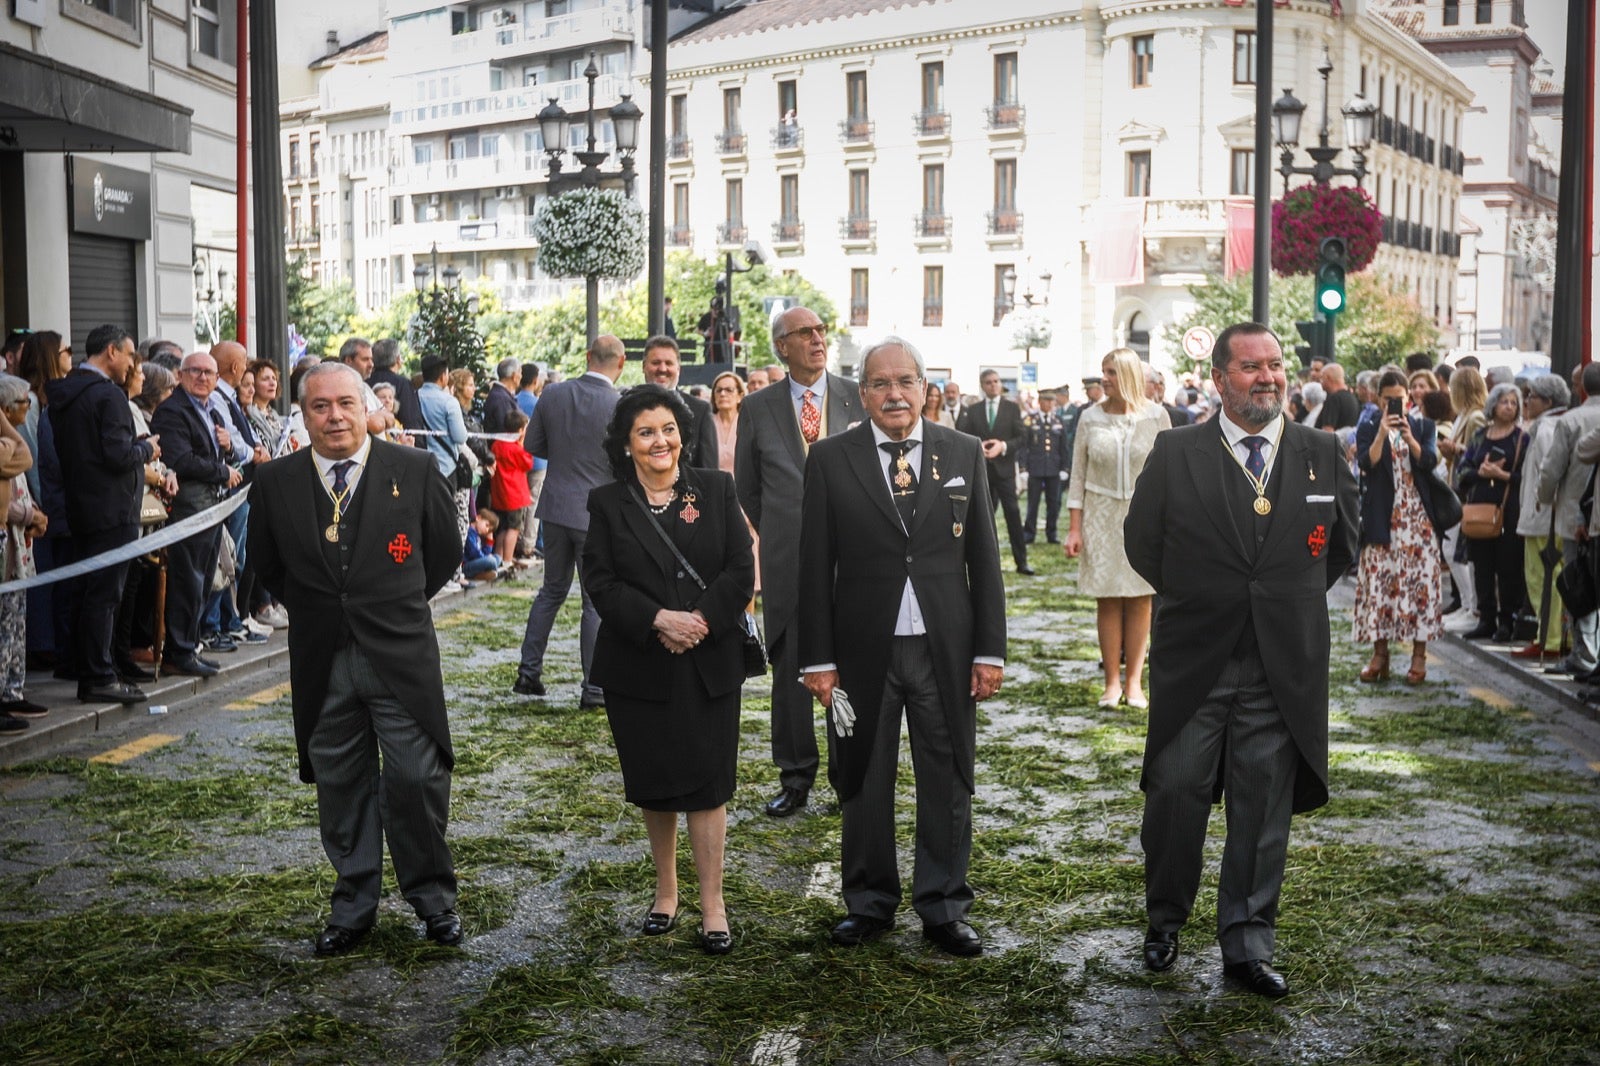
[
  {"x": 354, "y": 535},
  {"x": 1241, "y": 524},
  {"x": 903, "y": 611},
  {"x": 777, "y": 427}
]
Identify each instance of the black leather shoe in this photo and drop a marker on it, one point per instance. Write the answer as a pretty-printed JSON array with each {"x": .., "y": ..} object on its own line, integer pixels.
[
  {"x": 110, "y": 692},
  {"x": 133, "y": 673},
  {"x": 1259, "y": 977},
  {"x": 658, "y": 922},
  {"x": 787, "y": 802},
  {"x": 24, "y": 709},
  {"x": 444, "y": 928},
  {"x": 528, "y": 686},
  {"x": 337, "y": 939},
  {"x": 1481, "y": 631},
  {"x": 1503, "y": 634},
  {"x": 957, "y": 938},
  {"x": 193, "y": 666},
  {"x": 860, "y": 928},
  {"x": 715, "y": 942},
  {"x": 592, "y": 703},
  {"x": 1025, "y": 571},
  {"x": 1160, "y": 950}
]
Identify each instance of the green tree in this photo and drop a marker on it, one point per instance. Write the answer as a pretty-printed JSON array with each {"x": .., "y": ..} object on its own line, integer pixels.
[
  {"x": 321, "y": 313},
  {"x": 1381, "y": 323}
]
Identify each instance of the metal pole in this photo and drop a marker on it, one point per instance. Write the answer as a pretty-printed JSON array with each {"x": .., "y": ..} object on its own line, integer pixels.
[
  {"x": 658, "y": 166},
  {"x": 591, "y": 308},
  {"x": 266, "y": 171},
  {"x": 1570, "y": 327},
  {"x": 241, "y": 174},
  {"x": 1261, "y": 269}
]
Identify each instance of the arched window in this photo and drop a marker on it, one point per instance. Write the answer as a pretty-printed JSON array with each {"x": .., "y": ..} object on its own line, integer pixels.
[{"x": 1139, "y": 334}]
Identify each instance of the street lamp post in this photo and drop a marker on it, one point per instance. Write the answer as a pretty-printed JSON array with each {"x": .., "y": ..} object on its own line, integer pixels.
[
  {"x": 446, "y": 321},
  {"x": 1358, "y": 114},
  {"x": 555, "y": 125},
  {"x": 1008, "y": 288}
]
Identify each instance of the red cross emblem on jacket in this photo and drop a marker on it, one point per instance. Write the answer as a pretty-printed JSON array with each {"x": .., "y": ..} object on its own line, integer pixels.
[
  {"x": 400, "y": 547},
  {"x": 1317, "y": 541}
]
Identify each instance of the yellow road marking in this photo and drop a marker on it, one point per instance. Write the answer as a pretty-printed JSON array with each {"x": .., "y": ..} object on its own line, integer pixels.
[
  {"x": 259, "y": 699},
  {"x": 1491, "y": 697},
  {"x": 134, "y": 748}
]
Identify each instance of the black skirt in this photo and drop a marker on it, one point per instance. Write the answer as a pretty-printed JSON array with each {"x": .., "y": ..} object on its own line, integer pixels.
[{"x": 679, "y": 753}]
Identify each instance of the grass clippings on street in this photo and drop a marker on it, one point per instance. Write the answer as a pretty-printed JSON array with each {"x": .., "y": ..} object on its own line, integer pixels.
[{"x": 1443, "y": 907}]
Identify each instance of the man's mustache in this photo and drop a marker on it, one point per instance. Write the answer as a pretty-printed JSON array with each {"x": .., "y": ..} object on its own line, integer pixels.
[{"x": 895, "y": 405}]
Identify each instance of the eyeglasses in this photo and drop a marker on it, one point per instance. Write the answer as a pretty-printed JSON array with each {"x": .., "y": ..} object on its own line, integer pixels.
[
  {"x": 198, "y": 372},
  {"x": 725, "y": 388},
  {"x": 819, "y": 331},
  {"x": 904, "y": 384}
]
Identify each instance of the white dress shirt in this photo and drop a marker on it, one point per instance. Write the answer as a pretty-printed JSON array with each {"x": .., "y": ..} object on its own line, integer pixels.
[
  {"x": 1235, "y": 434},
  {"x": 352, "y": 476}
]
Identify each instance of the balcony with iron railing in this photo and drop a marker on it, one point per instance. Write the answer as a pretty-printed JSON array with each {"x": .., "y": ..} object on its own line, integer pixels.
[
  {"x": 731, "y": 142},
  {"x": 857, "y": 130},
  {"x": 679, "y": 148},
  {"x": 506, "y": 168},
  {"x": 858, "y": 228},
  {"x": 788, "y": 137},
  {"x": 299, "y": 236},
  {"x": 501, "y": 36},
  {"x": 503, "y": 231},
  {"x": 931, "y": 123},
  {"x": 788, "y": 232},
  {"x": 933, "y": 225},
  {"x": 507, "y": 105},
  {"x": 859, "y": 312},
  {"x": 933, "y": 312},
  {"x": 1002, "y": 308},
  {"x": 1004, "y": 117},
  {"x": 680, "y": 236},
  {"x": 1004, "y": 222},
  {"x": 732, "y": 232}
]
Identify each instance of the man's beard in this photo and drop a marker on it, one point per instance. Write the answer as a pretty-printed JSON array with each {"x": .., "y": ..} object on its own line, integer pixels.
[{"x": 1246, "y": 407}]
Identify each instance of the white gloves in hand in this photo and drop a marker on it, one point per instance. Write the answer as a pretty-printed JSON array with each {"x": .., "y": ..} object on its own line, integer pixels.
[{"x": 844, "y": 715}]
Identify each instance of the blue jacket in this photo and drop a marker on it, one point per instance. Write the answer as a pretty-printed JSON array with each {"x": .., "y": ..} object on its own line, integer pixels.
[{"x": 1377, "y": 479}]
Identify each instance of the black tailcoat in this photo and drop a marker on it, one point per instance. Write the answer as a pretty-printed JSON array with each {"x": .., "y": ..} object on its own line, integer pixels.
[
  {"x": 406, "y": 546},
  {"x": 855, "y": 556},
  {"x": 1184, "y": 537}
]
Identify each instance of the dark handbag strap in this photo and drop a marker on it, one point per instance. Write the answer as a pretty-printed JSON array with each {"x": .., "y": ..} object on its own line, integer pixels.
[
  {"x": 637, "y": 495},
  {"x": 1516, "y": 457}
]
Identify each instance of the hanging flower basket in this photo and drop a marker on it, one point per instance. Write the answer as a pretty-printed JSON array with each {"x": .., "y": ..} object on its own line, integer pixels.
[
  {"x": 1029, "y": 328},
  {"x": 1311, "y": 212},
  {"x": 598, "y": 232}
]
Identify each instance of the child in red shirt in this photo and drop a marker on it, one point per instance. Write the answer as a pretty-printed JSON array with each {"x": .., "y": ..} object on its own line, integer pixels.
[{"x": 508, "y": 490}]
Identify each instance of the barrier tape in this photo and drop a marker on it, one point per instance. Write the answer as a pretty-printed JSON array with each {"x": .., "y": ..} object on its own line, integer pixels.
[
  {"x": 442, "y": 433},
  {"x": 161, "y": 538}
]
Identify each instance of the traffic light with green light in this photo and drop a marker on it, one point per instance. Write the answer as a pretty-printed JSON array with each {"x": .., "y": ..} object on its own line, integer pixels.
[{"x": 1331, "y": 262}]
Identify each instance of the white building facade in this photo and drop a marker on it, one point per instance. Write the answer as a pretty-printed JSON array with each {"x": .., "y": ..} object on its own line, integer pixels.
[
  {"x": 120, "y": 207},
  {"x": 907, "y": 157}
]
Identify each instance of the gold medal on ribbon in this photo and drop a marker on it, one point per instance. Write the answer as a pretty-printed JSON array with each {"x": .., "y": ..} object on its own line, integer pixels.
[
  {"x": 1263, "y": 506},
  {"x": 331, "y": 534}
]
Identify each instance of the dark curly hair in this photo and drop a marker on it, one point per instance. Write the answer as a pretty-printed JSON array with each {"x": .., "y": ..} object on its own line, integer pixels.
[{"x": 635, "y": 402}]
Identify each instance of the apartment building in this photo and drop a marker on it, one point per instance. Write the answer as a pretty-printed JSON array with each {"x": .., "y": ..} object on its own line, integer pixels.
[
  {"x": 936, "y": 165},
  {"x": 117, "y": 192},
  {"x": 469, "y": 161},
  {"x": 1504, "y": 291},
  {"x": 337, "y": 158}
]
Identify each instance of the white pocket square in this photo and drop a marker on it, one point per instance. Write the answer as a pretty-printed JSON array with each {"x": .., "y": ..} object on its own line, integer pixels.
[
  {"x": 1319, "y": 499},
  {"x": 955, "y": 482}
]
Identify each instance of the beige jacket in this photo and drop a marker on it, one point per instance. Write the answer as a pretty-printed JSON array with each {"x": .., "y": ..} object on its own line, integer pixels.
[{"x": 15, "y": 458}]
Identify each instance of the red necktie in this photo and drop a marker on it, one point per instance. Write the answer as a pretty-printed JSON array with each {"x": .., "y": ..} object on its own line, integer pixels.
[{"x": 810, "y": 419}]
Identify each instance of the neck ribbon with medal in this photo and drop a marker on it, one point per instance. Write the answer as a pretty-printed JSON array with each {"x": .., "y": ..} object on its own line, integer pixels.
[
  {"x": 331, "y": 533},
  {"x": 1262, "y": 506}
]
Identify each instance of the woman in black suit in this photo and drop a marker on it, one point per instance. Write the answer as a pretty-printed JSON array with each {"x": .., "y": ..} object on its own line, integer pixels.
[{"x": 670, "y": 649}]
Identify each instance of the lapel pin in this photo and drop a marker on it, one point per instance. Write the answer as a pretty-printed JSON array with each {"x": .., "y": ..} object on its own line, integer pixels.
[{"x": 394, "y": 488}]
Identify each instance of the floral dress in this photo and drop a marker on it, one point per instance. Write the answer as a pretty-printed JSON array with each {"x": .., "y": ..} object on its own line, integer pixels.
[{"x": 1398, "y": 585}]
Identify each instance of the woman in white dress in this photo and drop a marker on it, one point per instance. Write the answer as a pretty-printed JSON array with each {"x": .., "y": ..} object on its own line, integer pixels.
[{"x": 1113, "y": 441}]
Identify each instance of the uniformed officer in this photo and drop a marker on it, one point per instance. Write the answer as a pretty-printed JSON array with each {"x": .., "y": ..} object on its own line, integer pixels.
[{"x": 1045, "y": 458}]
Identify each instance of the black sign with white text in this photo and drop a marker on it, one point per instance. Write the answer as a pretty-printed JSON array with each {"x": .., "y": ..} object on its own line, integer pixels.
[{"x": 110, "y": 201}]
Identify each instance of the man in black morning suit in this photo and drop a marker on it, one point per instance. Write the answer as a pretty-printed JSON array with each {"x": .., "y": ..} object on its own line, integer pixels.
[
  {"x": 997, "y": 422},
  {"x": 1242, "y": 524},
  {"x": 354, "y": 535},
  {"x": 902, "y": 609}
]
